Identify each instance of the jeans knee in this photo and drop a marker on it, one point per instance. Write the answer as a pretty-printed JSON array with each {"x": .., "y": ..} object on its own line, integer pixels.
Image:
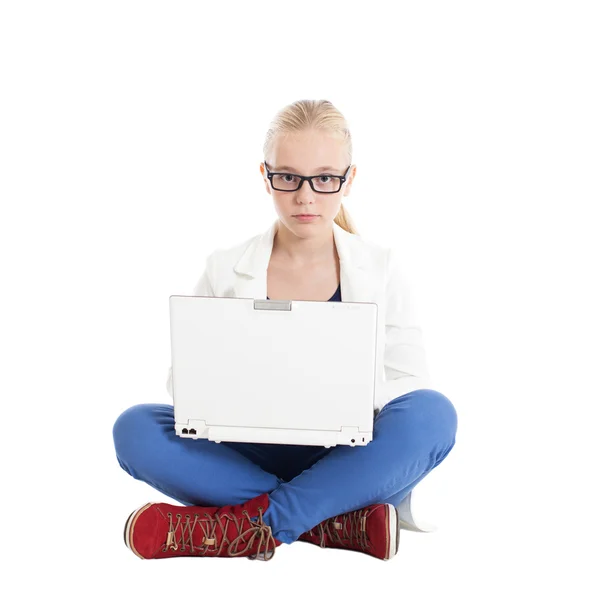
[
  {"x": 439, "y": 412},
  {"x": 129, "y": 425}
]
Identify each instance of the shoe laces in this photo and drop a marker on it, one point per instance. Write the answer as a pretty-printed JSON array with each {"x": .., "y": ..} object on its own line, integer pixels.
[
  {"x": 352, "y": 526},
  {"x": 181, "y": 531}
]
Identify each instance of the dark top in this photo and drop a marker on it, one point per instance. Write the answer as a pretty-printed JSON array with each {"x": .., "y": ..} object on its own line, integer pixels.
[{"x": 337, "y": 297}]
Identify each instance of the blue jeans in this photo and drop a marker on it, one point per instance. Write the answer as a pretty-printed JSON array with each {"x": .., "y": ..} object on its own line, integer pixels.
[{"x": 412, "y": 434}]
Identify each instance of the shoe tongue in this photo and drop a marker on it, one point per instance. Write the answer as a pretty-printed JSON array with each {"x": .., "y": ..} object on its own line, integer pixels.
[{"x": 252, "y": 506}]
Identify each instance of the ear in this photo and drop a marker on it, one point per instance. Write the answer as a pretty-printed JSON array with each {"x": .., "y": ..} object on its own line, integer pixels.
[
  {"x": 263, "y": 172},
  {"x": 350, "y": 180}
]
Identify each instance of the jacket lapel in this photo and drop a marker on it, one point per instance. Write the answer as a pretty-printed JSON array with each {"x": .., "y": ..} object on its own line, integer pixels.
[{"x": 358, "y": 269}]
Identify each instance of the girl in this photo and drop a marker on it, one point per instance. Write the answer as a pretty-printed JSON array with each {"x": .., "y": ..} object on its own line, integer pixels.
[{"x": 244, "y": 499}]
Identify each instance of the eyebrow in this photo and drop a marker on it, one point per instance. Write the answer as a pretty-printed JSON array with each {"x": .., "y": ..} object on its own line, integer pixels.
[{"x": 286, "y": 168}]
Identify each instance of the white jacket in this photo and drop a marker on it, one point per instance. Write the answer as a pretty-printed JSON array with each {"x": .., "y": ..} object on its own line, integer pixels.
[{"x": 368, "y": 273}]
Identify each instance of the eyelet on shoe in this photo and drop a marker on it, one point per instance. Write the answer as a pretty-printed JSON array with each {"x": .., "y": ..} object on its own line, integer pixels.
[
  {"x": 178, "y": 515},
  {"x": 169, "y": 514}
]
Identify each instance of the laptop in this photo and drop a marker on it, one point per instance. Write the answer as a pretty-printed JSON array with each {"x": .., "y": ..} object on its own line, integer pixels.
[{"x": 273, "y": 371}]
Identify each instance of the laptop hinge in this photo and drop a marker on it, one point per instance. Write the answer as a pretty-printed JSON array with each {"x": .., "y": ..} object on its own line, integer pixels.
[{"x": 272, "y": 305}]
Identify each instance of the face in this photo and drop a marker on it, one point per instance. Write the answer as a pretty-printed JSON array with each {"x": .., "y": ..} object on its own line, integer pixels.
[{"x": 305, "y": 153}]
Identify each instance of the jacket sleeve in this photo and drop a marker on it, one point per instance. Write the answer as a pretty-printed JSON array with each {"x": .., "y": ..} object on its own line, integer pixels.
[
  {"x": 204, "y": 287},
  {"x": 405, "y": 361}
]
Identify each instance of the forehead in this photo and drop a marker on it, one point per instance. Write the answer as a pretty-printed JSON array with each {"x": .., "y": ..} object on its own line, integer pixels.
[{"x": 308, "y": 152}]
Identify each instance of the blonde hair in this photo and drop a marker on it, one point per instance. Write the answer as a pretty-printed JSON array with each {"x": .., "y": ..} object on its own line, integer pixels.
[{"x": 313, "y": 114}]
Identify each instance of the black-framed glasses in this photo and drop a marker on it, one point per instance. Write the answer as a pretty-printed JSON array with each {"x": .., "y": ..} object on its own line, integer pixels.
[{"x": 322, "y": 184}]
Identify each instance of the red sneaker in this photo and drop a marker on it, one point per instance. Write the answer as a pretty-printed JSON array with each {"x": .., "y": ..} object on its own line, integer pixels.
[
  {"x": 373, "y": 530},
  {"x": 159, "y": 530}
]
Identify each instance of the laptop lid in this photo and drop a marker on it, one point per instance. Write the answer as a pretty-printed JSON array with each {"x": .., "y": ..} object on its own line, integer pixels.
[{"x": 273, "y": 371}]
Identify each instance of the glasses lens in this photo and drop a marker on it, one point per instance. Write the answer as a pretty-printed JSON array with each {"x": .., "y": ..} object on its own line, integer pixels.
[
  {"x": 322, "y": 183},
  {"x": 285, "y": 182},
  {"x": 326, "y": 183}
]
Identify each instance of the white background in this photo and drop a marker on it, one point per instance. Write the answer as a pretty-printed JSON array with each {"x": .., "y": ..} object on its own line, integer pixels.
[{"x": 131, "y": 137}]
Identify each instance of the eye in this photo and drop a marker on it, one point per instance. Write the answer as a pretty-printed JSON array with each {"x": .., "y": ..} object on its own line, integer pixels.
[{"x": 283, "y": 176}]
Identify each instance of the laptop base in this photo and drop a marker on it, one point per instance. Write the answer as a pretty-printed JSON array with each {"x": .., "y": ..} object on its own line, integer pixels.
[{"x": 198, "y": 429}]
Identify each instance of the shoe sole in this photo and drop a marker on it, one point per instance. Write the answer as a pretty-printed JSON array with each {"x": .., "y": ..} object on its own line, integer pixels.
[
  {"x": 393, "y": 530},
  {"x": 129, "y": 526}
]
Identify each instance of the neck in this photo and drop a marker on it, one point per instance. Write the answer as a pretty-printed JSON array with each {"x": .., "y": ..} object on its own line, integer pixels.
[{"x": 299, "y": 252}]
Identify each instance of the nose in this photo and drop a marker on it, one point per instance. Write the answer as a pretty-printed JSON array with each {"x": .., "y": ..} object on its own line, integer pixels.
[{"x": 305, "y": 193}]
